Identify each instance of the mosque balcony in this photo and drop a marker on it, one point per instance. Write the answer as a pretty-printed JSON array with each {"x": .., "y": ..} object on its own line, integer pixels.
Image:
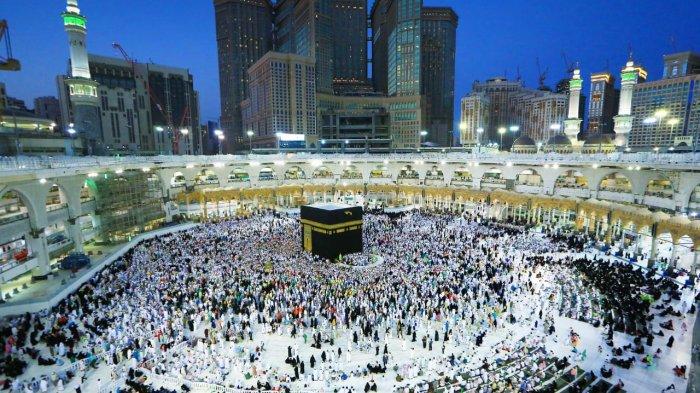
[
  {"x": 10, "y": 229},
  {"x": 56, "y": 213},
  {"x": 661, "y": 202},
  {"x": 434, "y": 182},
  {"x": 409, "y": 181},
  {"x": 528, "y": 189},
  {"x": 13, "y": 269},
  {"x": 88, "y": 205},
  {"x": 462, "y": 183},
  {"x": 616, "y": 196},
  {"x": 577, "y": 192},
  {"x": 381, "y": 180},
  {"x": 206, "y": 185},
  {"x": 322, "y": 180},
  {"x": 493, "y": 183}
]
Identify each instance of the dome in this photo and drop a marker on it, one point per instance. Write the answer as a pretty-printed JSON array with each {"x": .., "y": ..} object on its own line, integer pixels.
[
  {"x": 559, "y": 140},
  {"x": 524, "y": 145},
  {"x": 598, "y": 143},
  {"x": 598, "y": 139},
  {"x": 524, "y": 141}
]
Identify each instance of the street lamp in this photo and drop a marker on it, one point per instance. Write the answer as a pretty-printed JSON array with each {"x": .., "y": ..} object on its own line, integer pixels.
[
  {"x": 423, "y": 133},
  {"x": 160, "y": 129},
  {"x": 250, "y": 134},
  {"x": 479, "y": 131},
  {"x": 221, "y": 141},
  {"x": 501, "y": 131}
]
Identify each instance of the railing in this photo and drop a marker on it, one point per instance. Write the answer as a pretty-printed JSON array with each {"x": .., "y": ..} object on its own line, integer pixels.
[{"x": 27, "y": 163}]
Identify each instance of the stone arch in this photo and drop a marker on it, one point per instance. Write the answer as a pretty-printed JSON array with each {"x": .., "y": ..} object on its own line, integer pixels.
[
  {"x": 267, "y": 173},
  {"x": 434, "y": 173},
  {"x": 694, "y": 202},
  {"x": 462, "y": 176},
  {"x": 659, "y": 186},
  {"x": 322, "y": 172},
  {"x": 408, "y": 172},
  {"x": 178, "y": 180},
  {"x": 33, "y": 197},
  {"x": 380, "y": 171},
  {"x": 238, "y": 175},
  {"x": 572, "y": 179},
  {"x": 493, "y": 178},
  {"x": 529, "y": 177},
  {"x": 616, "y": 182},
  {"x": 351, "y": 172},
  {"x": 206, "y": 176},
  {"x": 294, "y": 173}
]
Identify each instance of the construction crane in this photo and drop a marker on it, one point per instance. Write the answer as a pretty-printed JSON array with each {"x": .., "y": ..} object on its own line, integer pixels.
[
  {"x": 570, "y": 67},
  {"x": 155, "y": 101},
  {"x": 7, "y": 63},
  {"x": 541, "y": 76}
]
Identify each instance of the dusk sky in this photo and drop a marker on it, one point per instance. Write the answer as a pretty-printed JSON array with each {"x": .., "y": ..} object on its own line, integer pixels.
[{"x": 494, "y": 37}]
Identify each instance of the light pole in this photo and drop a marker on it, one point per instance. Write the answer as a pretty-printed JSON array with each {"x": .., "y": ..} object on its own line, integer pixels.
[
  {"x": 423, "y": 133},
  {"x": 279, "y": 136},
  {"x": 514, "y": 130},
  {"x": 221, "y": 142},
  {"x": 185, "y": 132},
  {"x": 479, "y": 132},
  {"x": 250, "y": 134},
  {"x": 220, "y": 136},
  {"x": 501, "y": 131}
]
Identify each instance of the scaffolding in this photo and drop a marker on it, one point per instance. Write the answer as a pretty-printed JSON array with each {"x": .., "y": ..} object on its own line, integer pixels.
[{"x": 128, "y": 203}]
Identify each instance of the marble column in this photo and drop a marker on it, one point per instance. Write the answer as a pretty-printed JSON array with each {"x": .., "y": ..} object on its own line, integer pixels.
[
  {"x": 76, "y": 234},
  {"x": 39, "y": 249}
]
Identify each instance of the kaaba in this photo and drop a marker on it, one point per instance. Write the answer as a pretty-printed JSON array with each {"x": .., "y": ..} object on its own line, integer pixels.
[{"x": 329, "y": 230}]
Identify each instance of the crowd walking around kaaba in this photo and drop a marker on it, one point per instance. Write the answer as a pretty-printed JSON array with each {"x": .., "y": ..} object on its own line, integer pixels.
[{"x": 450, "y": 299}]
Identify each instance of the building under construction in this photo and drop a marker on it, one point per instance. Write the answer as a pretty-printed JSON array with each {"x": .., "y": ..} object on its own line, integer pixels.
[
  {"x": 127, "y": 203},
  {"x": 122, "y": 106}
]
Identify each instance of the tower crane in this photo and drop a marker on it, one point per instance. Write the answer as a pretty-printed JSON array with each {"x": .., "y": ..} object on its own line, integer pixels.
[
  {"x": 570, "y": 67},
  {"x": 7, "y": 62},
  {"x": 541, "y": 76},
  {"x": 166, "y": 114}
]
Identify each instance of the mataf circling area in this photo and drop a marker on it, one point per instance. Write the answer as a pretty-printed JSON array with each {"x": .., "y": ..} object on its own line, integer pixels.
[{"x": 443, "y": 302}]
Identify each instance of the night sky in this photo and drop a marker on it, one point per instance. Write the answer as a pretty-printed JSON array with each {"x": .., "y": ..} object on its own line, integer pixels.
[{"x": 494, "y": 38}]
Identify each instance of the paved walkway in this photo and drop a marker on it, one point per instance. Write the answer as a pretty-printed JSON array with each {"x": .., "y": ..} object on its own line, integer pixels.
[
  {"x": 694, "y": 378},
  {"x": 42, "y": 294}
]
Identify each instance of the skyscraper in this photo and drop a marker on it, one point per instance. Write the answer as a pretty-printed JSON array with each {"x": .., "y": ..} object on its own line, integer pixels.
[
  {"x": 304, "y": 28},
  {"x": 396, "y": 46},
  {"x": 82, "y": 90},
  {"x": 438, "y": 40},
  {"x": 666, "y": 112},
  {"x": 474, "y": 117},
  {"x": 603, "y": 104},
  {"x": 243, "y": 36},
  {"x": 350, "y": 42},
  {"x": 501, "y": 104},
  {"x": 282, "y": 98},
  {"x": 48, "y": 108}
]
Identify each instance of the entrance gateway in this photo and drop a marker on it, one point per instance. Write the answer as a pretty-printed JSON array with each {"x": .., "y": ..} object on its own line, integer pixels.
[{"x": 330, "y": 230}]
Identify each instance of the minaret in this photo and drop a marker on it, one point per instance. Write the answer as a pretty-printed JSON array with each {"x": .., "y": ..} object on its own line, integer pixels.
[
  {"x": 82, "y": 90},
  {"x": 631, "y": 75},
  {"x": 572, "y": 124}
]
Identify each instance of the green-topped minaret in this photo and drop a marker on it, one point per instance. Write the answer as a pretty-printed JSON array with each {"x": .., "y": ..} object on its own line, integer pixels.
[{"x": 82, "y": 90}]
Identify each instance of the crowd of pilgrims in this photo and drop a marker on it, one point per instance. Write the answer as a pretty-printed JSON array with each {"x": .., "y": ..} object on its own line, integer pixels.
[{"x": 239, "y": 304}]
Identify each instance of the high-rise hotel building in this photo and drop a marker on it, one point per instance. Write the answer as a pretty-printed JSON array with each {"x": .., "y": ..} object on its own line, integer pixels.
[
  {"x": 666, "y": 113},
  {"x": 243, "y": 36},
  {"x": 412, "y": 56}
]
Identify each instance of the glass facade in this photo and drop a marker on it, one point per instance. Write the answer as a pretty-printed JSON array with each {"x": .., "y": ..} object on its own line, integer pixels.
[{"x": 243, "y": 35}]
